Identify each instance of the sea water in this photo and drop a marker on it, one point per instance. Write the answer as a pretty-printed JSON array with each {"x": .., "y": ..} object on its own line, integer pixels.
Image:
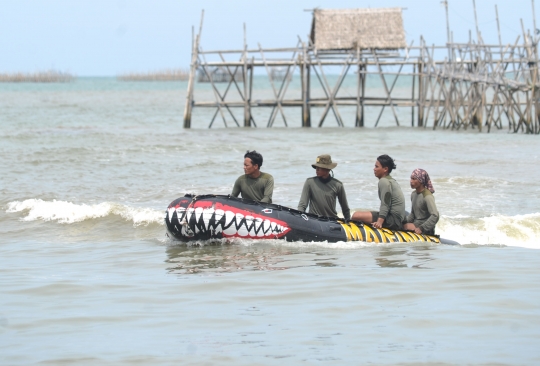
[{"x": 89, "y": 277}]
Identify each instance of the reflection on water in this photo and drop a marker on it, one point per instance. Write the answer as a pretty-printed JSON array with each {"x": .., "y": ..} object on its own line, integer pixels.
[
  {"x": 225, "y": 256},
  {"x": 398, "y": 256}
]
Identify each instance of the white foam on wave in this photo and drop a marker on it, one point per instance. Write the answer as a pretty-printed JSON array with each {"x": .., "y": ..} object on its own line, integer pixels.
[
  {"x": 519, "y": 230},
  {"x": 68, "y": 213}
]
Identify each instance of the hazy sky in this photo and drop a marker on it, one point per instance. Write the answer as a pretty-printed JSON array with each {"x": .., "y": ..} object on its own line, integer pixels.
[{"x": 107, "y": 37}]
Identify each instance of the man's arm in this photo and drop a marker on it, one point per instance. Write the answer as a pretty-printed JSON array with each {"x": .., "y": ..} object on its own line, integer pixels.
[
  {"x": 410, "y": 217},
  {"x": 433, "y": 212},
  {"x": 342, "y": 198},
  {"x": 385, "y": 193},
  {"x": 304, "y": 198},
  {"x": 236, "y": 189},
  {"x": 268, "y": 190}
]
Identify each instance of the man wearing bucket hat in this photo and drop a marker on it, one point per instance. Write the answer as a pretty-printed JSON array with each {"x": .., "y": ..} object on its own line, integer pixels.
[{"x": 320, "y": 192}]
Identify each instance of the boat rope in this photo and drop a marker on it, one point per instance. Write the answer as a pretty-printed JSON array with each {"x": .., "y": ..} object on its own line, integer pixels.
[{"x": 184, "y": 222}]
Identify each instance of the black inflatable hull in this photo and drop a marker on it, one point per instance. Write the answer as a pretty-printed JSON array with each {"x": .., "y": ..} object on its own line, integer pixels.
[{"x": 207, "y": 217}]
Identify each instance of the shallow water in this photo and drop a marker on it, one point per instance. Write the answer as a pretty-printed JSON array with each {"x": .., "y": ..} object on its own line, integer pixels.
[{"x": 89, "y": 277}]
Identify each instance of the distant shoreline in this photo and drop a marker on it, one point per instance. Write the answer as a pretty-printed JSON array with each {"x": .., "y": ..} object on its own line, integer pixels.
[
  {"x": 159, "y": 75},
  {"x": 48, "y": 76}
]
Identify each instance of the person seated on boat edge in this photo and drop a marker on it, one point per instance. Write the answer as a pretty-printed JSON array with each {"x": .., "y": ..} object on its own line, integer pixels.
[
  {"x": 392, "y": 210},
  {"x": 320, "y": 192},
  {"x": 424, "y": 214},
  {"x": 254, "y": 184}
]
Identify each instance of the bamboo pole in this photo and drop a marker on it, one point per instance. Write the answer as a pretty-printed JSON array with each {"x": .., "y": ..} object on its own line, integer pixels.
[
  {"x": 192, "y": 72},
  {"x": 360, "y": 94},
  {"x": 247, "y": 107},
  {"x": 305, "y": 80},
  {"x": 421, "y": 96}
]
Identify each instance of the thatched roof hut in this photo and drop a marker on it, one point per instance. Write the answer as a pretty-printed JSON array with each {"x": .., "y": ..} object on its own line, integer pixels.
[{"x": 342, "y": 29}]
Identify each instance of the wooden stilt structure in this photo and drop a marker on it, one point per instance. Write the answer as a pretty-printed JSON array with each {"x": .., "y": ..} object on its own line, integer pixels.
[{"x": 477, "y": 85}]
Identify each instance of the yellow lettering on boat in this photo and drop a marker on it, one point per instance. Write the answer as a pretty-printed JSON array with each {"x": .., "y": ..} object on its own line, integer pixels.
[
  {"x": 403, "y": 237},
  {"x": 347, "y": 229},
  {"x": 357, "y": 232},
  {"x": 416, "y": 236},
  {"x": 389, "y": 235},
  {"x": 371, "y": 232},
  {"x": 433, "y": 239},
  {"x": 409, "y": 235},
  {"x": 424, "y": 238},
  {"x": 352, "y": 231}
]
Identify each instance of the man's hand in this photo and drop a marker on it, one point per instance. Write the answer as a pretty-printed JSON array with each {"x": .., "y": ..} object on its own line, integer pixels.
[{"x": 378, "y": 224}]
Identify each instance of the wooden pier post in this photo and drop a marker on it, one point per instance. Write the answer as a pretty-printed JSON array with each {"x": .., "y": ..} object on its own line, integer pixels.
[
  {"x": 361, "y": 93},
  {"x": 305, "y": 76},
  {"x": 192, "y": 72},
  {"x": 421, "y": 96},
  {"x": 191, "y": 81},
  {"x": 412, "y": 94},
  {"x": 247, "y": 88}
]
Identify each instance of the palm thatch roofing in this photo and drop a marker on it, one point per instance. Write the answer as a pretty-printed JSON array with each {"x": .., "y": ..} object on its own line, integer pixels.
[{"x": 343, "y": 29}]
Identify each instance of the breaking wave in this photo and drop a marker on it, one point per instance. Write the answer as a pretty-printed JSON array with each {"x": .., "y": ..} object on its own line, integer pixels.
[
  {"x": 519, "y": 230},
  {"x": 69, "y": 213}
]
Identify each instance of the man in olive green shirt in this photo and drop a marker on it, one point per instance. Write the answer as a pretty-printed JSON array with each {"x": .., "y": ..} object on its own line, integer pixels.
[
  {"x": 391, "y": 213},
  {"x": 254, "y": 184},
  {"x": 320, "y": 192}
]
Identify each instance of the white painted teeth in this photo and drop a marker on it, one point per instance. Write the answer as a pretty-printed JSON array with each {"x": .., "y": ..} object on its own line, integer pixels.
[
  {"x": 250, "y": 226},
  {"x": 180, "y": 213},
  {"x": 219, "y": 214},
  {"x": 234, "y": 225},
  {"x": 266, "y": 226},
  {"x": 207, "y": 215},
  {"x": 217, "y": 218},
  {"x": 229, "y": 216},
  {"x": 189, "y": 213},
  {"x": 231, "y": 230},
  {"x": 170, "y": 212},
  {"x": 259, "y": 227}
]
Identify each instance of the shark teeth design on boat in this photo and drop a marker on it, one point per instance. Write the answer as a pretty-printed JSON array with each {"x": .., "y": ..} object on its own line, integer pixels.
[
  {"x": 170, "y": 213},
  {"x": 219, "y": 222}
]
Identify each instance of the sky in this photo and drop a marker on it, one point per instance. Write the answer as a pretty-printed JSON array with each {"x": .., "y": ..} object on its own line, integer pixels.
[{"x": 110, "y": 37}]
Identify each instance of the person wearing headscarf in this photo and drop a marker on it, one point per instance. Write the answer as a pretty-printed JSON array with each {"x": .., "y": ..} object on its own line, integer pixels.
[
  {"x": 320, "y": 192},
  {"x": 424, "y": 214}
]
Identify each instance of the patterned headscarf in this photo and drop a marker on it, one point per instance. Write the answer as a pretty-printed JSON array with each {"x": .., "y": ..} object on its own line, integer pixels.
[{"x": 423, "y": 177}]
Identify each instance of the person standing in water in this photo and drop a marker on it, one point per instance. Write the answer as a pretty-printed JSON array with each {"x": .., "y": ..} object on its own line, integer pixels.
[
  {"x": 391, "y": 213},
  {"x": 424, "y": 214},
  {"x": 254, "y": 184},
  {"x": 320, "y": 192}
]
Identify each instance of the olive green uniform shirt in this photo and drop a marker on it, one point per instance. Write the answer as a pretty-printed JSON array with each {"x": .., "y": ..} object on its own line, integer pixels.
[
  {"x": 321, "y": 197},
  {"x": 392, "y": 199},
  {"x": 424, "y": 212},
  {"x": 255, "y": 189}
]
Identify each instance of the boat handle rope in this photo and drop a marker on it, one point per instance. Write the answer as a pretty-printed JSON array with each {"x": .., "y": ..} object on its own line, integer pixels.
[{"x": 184, "y": 222}]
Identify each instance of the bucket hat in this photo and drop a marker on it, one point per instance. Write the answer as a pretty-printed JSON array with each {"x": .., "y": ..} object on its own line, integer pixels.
[{"x": 324, "y": 161}]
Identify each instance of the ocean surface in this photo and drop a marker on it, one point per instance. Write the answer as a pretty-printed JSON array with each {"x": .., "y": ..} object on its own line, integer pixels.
[{"x": 89, "y": 277}]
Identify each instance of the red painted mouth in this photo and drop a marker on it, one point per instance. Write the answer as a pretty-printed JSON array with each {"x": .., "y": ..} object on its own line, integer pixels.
[{"x": 238, "y": 222}]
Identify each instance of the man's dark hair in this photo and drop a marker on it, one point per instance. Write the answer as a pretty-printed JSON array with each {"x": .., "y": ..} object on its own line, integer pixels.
[
  {"x": 255, "y": 157},
  {"x": 387, "y": 162}
]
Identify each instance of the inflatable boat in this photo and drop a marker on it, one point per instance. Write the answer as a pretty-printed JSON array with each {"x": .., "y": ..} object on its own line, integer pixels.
[{"x": 205, "y": 217}]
